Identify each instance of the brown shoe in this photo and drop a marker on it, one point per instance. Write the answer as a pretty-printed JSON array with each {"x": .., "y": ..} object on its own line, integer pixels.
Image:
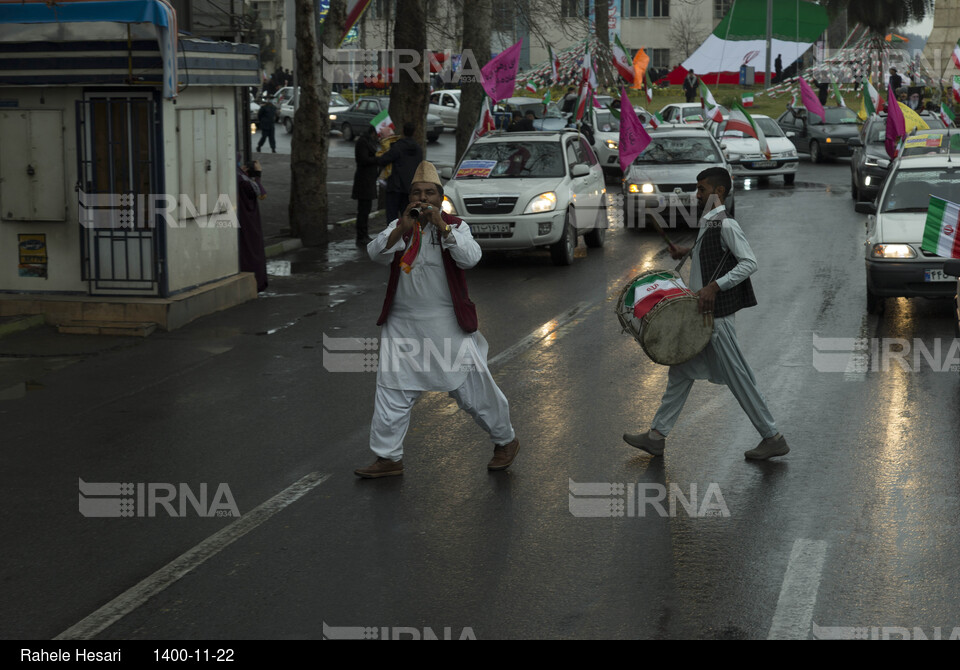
[
  {"x": 382, "y": 467},
  {"x": 503, "y": 455}
]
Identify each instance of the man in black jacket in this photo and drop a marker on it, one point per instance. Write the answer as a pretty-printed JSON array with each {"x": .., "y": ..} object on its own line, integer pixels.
[
  {"x": 405, "y": 155},
  {"x": 266, "y": 120},
  {"x": 365, "y": 182}
]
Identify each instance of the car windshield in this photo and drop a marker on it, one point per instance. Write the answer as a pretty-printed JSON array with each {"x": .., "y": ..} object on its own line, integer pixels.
[
  {"x": 840, "y": 116},
  {"x": 910, "y": 190},
  {"x": 678, "y": 150},
  {"x": 337, "y": 100},
  {"x": 922, "y": 143},
  {"x": 607, "y": 123},
  {"x": 512, "y": 159},
  {"x": 767, "y": 125}
]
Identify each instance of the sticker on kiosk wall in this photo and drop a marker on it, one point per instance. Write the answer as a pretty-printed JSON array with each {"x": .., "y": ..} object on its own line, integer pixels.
[{"x": 33, "y": 255}]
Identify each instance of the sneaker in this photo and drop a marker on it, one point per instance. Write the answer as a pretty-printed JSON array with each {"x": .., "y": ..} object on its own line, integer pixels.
[
  {"x": 503, "y": 455},
  {"x": 382, "y": 467},
  {"x": 768, "y": 448},
  {"x": 644, "y": 442}
]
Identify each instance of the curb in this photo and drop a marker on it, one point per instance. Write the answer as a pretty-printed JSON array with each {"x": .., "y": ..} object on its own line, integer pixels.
[
  {"x": 15, "y": 325},
  {"x": 280, "y": 248}
]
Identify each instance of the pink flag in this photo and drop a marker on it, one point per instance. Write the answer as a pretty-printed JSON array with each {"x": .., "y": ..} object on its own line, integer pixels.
[
  {"x": 633, "y": 138},
  {"x": 500, "y": 74},
  {"x": 896, "y": 125},
  {"x": 810, "y": 100}
]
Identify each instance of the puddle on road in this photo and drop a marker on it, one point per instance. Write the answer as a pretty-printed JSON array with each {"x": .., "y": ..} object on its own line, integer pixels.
[{"x": 777, "y": 189}]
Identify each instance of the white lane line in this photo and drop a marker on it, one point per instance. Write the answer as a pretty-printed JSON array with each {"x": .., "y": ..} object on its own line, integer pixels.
[
  {"x": 539, "y": 334},
  {"x": 798, "y": 595},
  {"x": 136, "y": 596}
]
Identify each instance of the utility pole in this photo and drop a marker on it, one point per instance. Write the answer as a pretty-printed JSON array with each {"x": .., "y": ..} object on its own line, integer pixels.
[{"x": 769, "y": 40}]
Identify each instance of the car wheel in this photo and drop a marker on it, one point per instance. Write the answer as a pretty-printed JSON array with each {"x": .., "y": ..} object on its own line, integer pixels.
[
  {"x": 596, "y": 237},
  {"x": 347, "y": 131},
  {"x": 288, "y": 124},
  {"x": 561, "y": 251},
  {"x": 432, "y": 138},
  {"x": 854, "y": 190},
  {"x": 874, "y": 302},
  {"x": 788, "y": 179},
  {"x": 815, "y": 155}
]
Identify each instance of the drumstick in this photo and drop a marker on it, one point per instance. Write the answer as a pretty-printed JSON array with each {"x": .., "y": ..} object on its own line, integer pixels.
[{"x": 657, "y": 227}]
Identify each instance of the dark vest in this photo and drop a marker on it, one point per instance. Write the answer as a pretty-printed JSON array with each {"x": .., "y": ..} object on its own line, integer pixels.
[
  {"x": 463, "y": 307},
  {"x": 713, "y": 265}
]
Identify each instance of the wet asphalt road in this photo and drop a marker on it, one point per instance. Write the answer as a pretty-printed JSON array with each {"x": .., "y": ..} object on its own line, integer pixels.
[{"x": 854, "y": 532}]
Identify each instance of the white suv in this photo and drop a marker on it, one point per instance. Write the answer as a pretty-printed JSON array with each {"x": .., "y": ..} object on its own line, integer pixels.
[{"x": 523, "y": 190}]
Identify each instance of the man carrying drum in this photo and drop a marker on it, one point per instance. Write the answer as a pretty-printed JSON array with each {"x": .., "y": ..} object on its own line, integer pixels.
[{"x": 722, "y": 255}]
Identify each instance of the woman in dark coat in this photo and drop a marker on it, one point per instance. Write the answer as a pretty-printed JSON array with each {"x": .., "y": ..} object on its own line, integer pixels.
[
  {"x": 365, "y": 181},
  {"x": 253, "y": 257}
]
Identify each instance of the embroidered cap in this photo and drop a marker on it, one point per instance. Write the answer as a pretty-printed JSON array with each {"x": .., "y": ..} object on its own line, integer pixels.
[{"x": 427, "y": 173}]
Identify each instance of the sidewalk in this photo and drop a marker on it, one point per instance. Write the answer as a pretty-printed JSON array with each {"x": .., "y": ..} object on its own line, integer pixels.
[{"x": 274, "y": 210}]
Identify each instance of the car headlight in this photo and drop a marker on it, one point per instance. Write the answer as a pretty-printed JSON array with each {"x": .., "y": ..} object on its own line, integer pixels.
[
  {"x": 333, "y": 117},
  {"x": 545, "y": 202},
  {"x": 612, "y": 144},
  {"x": 646, "y": 188},
  {"x": 640, "y": 188},
  {"x": 448, "y": 207},
  {"x": 893, "y": 251},
  {"x": 733, "y": 157}
]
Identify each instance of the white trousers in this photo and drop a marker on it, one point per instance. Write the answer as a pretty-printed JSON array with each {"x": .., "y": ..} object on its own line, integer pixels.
[
  {"x": 722, "y": 362},
  {"x": 479, "y": 396}
]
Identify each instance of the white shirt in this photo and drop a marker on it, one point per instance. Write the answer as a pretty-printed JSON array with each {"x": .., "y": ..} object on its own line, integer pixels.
[
  {"x": 733, "y": 240},
  {"x": 422, "y": 347}
]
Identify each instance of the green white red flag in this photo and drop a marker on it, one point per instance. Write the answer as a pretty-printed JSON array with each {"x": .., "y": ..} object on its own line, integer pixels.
[
  {"x": 741, "y": 120},
  {"x": 645, "y": 294},
  {"x": 947, "y": 115},
  {"x": 710, "y": 106},
  {"x": 554, "y": 66},
  {"x": 746, "y": 99},
  {"x": 486, "y": 122},
  {"x": 940, "y": 235},
  {"x": 383, "y": 124},
  {"x": 621, "y": 61},
  {"x": 956, "y": 54}
]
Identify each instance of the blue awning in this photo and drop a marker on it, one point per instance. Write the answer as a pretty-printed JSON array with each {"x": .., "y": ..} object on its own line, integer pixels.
[{"x": 156, "y": 12}]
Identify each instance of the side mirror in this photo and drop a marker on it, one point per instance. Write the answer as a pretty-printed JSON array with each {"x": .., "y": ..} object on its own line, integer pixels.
[
  {"x": 723, "y": 146},
  {"x": 446, "y": 173},
  {"x": 580, "y": 170},
  {"x": 855, "y": 142},
  {"x": 866, "y": 208},
  {"x": 952, "y": 267},
  {"x": 790, "y": 133}
]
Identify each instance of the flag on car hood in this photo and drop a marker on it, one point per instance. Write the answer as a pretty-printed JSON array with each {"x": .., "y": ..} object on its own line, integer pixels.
[{"x": 741, "y": 120}]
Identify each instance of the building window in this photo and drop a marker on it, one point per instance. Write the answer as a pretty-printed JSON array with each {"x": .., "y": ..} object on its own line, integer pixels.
[
  {"x": 661, "y": 8},
  {"x": 635, "y": 8},
  {"x": 660, "y": 58},
  {"x": 575, "y": 9},
  {"x": 720, "y": 8}
]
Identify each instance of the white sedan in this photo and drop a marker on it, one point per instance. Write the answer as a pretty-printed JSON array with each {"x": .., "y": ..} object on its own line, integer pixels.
[{"x": 745, "y": 157}]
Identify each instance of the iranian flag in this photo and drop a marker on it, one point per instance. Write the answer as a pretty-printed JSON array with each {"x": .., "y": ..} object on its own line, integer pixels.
[
  {"x": 836, "y": 94},
  {"x": 956, "y": 87},
  {"x": 710, "y": 105},
  {"x": 947, "y": 116},
  {"x": 383, "y": 124},
  {"x": 956, "y": 54},
  {"x": 531, "y": 86},
  {"x": 741, "y": 120},
  {"x": 649, "y": 83},
  {"x": 656, "y": 120},
  {"x": 554, "y": 66},
  {"x": 486, "y": 122},
  {"x": 582, "y": 100},
  {"x": 747, "y": 99},
  {"x": 645, "y": 294},
  {"x": 621, "y": 61},
  {"x": 940, "y": 234}
]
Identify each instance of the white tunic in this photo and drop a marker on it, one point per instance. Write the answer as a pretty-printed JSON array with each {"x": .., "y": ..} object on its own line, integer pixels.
[{"x": 422, "y": 347}]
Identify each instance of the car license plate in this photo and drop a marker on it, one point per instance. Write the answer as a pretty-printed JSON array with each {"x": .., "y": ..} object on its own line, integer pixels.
[
  {"x": 490, "y": 227},
  {"x": 937, "y": 275},
  {"x": 762, "y": 165}
]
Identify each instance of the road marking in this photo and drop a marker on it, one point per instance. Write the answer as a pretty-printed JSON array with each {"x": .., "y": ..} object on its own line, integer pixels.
[
  {"x": 136, "y": 596},
  {"x": 539, "y": 334},
  {"x": 794, "y": 613}
]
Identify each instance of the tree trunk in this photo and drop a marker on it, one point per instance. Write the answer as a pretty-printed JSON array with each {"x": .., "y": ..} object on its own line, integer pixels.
[
  {"x": 477, "y": 22},
  {"x": 311, "y": 124},
  {"x": 410, "y": 90},
  {"x": 601, "y": 17}
]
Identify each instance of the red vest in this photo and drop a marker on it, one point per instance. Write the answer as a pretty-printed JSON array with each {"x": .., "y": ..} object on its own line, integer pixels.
[{"x": 463, "y": 307}]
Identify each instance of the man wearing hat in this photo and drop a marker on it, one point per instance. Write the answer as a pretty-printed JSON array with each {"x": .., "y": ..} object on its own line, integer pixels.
[{"x": 429, "y": 339}]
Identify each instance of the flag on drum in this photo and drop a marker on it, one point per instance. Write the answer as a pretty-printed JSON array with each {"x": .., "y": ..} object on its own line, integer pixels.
[{"x": 646, "y": 293}]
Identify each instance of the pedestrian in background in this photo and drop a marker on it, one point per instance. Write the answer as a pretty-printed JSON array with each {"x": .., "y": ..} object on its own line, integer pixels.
[
  {"x": 253, "y": 257},
  {"x": 691, "y": 86},
  {"x": 266, "y": 123},
  {"x": 365, "y": 181},
  {"x": 403, "y": 158}
]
